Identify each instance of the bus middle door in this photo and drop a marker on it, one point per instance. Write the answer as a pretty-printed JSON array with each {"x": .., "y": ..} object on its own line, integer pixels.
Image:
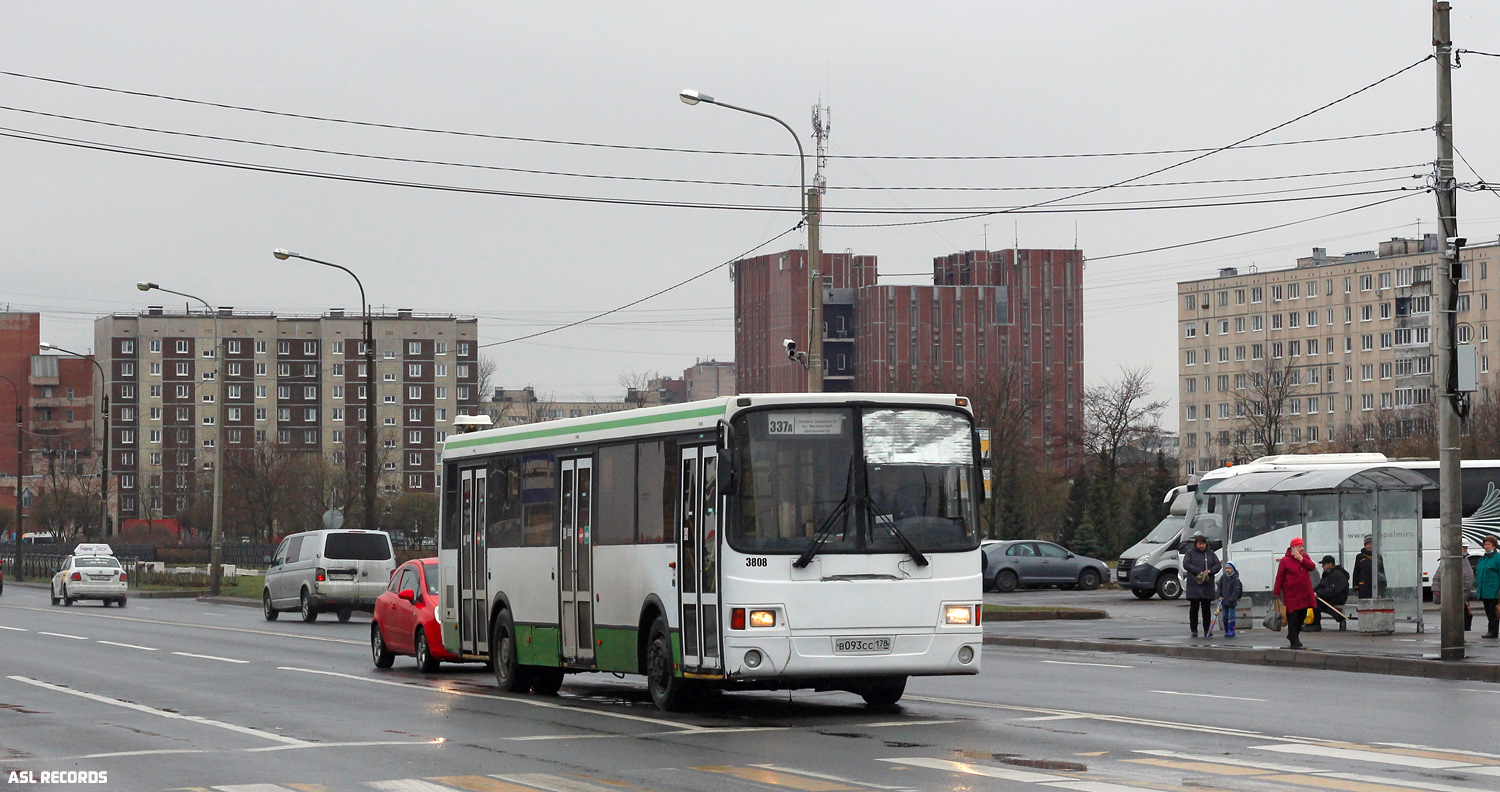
[
  {"x": 576, "y": 571},
  {"x": 473, "y": 563},
  {"x": 697, "y": 561}
]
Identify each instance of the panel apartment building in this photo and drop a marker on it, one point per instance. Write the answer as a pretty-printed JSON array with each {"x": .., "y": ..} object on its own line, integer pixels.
[
  {"x": 1354, "y": 334},
  {"x": 294, "y": 381},
  {"x": 983, "y": 312}
]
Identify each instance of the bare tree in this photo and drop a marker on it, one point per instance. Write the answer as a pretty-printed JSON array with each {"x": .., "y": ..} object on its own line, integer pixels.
[
  {"x": 1263, "y": 406},
  {"x": 637, "y": 385},
  {"x": 485, "y": 373},
  {"x": 1118, "y": 415},
  {"x": 1027, "y": 498}
]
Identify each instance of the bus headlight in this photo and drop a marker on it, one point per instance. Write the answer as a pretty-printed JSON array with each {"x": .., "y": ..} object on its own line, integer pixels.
[
  {"x": 958, "y": 614},
  {"x": 762, "y": 618}
]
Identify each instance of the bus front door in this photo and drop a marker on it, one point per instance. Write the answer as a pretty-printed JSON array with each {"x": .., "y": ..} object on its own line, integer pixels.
[
  {"x": 697, "y": 561},
  {"x": 576, "y": 543},
  {"x": 473, "y": 567}
]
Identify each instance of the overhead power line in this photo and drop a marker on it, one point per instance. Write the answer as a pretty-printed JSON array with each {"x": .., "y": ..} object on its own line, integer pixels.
[
  {"x": 654, "y": 294},
  {"x": 617, "y": 177},
  {"x": 1165, "y": 168},
  {"x": 668, "y": 149},
  {"x": 38, "y": 137}
]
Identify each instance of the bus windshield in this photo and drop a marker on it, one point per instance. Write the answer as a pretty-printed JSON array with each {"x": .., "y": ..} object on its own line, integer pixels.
[{"x": 906, "y": 473}]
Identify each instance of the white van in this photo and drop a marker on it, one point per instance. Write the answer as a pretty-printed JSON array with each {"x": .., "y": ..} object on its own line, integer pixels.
[
  {"x": 338, "y": 571},
  {"x": 1149, "y": 568}
]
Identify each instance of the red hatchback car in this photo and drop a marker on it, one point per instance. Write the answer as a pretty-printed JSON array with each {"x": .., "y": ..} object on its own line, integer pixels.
[{"x": 405, "y": 620}]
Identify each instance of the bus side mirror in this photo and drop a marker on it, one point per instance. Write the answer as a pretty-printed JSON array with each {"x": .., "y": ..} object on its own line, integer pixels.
[{"x": 728, "y": 468}]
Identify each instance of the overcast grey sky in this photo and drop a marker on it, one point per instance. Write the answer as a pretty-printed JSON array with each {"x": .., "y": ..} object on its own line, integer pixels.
[{"x": 80, "y": 227}]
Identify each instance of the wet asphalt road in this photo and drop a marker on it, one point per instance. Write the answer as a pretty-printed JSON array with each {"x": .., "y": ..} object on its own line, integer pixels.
[{"x": 174, "y": 694}]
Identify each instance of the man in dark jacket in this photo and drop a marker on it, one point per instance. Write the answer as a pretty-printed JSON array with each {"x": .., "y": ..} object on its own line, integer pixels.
[
  {"x": 1332, "y": 591},
  {"x": 1201, "y": 565},
  {"x": 1364, "y": 576}
]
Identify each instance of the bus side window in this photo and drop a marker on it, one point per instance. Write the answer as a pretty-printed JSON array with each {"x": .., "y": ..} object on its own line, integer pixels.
[{"x": 654, "y": 494}]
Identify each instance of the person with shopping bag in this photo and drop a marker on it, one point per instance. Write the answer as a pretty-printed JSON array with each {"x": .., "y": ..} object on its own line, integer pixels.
[{"x": 1294, "y": 590}]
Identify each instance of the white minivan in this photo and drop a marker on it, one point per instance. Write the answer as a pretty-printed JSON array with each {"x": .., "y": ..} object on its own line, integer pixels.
[{"x": 338, "y": 571}]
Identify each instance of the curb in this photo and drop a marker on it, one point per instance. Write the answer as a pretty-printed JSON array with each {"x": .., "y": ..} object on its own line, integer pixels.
[
  {"x": 1361, "y": 664},
  {"x": 1043, "y": 614},
  {"x": 243, "y": 602}
]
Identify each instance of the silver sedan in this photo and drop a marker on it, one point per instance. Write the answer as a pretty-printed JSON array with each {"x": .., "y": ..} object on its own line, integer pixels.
[{"x": 1011, "y": 564}]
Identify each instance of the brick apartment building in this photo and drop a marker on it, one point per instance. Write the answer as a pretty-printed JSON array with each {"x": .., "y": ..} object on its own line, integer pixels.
[
  {"x": 57, "y": 406},
  {"x": 984, "y": 311},
  {"x": 294, "y": 381},
  {"x": 1353, "y": 333}
]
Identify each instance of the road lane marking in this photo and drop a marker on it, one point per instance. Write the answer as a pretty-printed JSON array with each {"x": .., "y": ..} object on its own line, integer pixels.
[
  {"x": 1099, "y": 665},
  {"x": 778, "y": 778},
  {"x": 1003, "y": 773},
  {"x": 479, "y": 784},
  {"x": 1380, "y": 757},
  {"x": 1053, "y": 717},
  {"x": 535, "y": 737},
  {"x": 64, "y": 635},
  {"x": 365, "y": 744},
  {"x": 686, "y": 727},
  {"x": 1255, "y": 765},
  {"x": 158, "y": 712},
  {"x": 142, "y": 753},
  {"x": 1428, "y": 785},
  {"x": 1161, "y": 724},
  {"x": 14, "y": 629},
  {"x": 886, "y": 724},
  {"x": 1206, "y": 695},
  {"x": 1466, "y": 690},
  {"x": 553, "y": 783},
  {"x": 211, "y": 657},
  {"x": 129, "y": 646},
  {"x": 1446, "y": 750},
  {"x": 274, "y": 633},
  {"x": 834, "y": 778}
]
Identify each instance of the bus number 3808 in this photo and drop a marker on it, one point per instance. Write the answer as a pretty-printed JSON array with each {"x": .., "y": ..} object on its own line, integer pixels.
[{"x": 755, "y": 562}]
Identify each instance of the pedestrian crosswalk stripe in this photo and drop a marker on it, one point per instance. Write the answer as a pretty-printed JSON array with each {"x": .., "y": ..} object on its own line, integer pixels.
[
  {"x": 554, "y": 783},
  {"x": 1201, "y": 767},
  {"x": 1363, "y": 755},
  {"x": 1267, "y": 766},
  {"x": 252, "y": 788},
  {"x": 479, "y": 784},
  {"x": 1428, "y": 785},
  {"x": 407, "y": 785},
  {"x": 834, "y": 778},
  {"x": 777, "y": 778},
  {"x": 1094, "y": 786},
  {"x": 1340, "y": 784},
  {"x": 309, "y": 787},
  {"x": 1004, "y": 773}
]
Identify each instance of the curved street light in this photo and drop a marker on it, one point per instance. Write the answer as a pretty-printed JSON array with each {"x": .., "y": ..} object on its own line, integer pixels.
[
  {"x": 216, "y": 535},
  {"x": 811, "y": 202},
  {"x": 104, "y": 412},
  {"x": 369, "y": 331}
]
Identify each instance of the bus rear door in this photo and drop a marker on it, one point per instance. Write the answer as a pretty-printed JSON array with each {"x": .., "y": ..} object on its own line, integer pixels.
[{"x": 576, "y": 545}]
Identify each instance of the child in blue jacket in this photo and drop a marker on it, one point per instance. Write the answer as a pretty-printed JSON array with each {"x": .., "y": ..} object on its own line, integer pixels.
[{"x": 1230, "y": 591}]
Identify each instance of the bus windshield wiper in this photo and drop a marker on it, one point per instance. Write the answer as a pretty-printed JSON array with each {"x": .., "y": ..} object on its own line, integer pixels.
[
  {"x": 826, "y": 529},
  {"x": 890, "y": 525}
]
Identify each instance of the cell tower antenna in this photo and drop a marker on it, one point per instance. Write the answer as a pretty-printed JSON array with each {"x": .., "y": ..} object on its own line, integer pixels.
[{"x": 822, "y": 122}]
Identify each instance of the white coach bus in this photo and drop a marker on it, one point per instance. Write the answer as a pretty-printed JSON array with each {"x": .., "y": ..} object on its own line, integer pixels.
[{"x": 825, "y": 541}]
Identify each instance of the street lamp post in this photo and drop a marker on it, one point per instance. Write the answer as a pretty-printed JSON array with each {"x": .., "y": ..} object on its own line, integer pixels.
[
  {"x": 20, "y": 473},
  {"x": 104, "y": 413},
  {"x": 216, "y": 535},
  {"x": 370, "y": 471},
  {"x": 811, "y": 212}
]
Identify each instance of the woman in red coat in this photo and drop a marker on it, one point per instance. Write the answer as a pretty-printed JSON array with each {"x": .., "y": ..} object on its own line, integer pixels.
[{"x": 1294, "y": 588}]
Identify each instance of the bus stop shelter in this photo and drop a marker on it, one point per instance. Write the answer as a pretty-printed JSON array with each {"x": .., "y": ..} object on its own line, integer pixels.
[{"x": 1332, "y": 509}]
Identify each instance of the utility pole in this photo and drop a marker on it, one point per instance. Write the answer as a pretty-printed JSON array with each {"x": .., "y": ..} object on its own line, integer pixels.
[
  {"x": 1445, "y": 281},
  {"x": 814, "y": 294},
  {"x": 370, "y": 472},
  {"x": 221, "y": 453}
]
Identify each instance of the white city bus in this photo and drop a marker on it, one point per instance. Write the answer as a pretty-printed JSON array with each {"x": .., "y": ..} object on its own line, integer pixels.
[{"x": 776, "y": 541}]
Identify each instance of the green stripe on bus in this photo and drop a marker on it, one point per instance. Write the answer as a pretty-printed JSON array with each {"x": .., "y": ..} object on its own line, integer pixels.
[
  {"x": 538, "y": 646},
  {"x": 616, "y": 649},
  {"x": 641, "y": 420}
]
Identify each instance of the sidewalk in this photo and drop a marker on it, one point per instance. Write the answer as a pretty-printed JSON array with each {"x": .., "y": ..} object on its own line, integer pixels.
[{"x": 1160, "y": 628}]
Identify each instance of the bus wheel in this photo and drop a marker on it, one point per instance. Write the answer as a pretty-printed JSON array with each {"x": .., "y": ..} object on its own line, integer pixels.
[
  {"x": 1168, "y": 587},
  {"x": 510, "y": 675},
  {"x": 883, "y": 692},
  {"x": 668, "y": 691},
  {"x": 546, "y": 681}
]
